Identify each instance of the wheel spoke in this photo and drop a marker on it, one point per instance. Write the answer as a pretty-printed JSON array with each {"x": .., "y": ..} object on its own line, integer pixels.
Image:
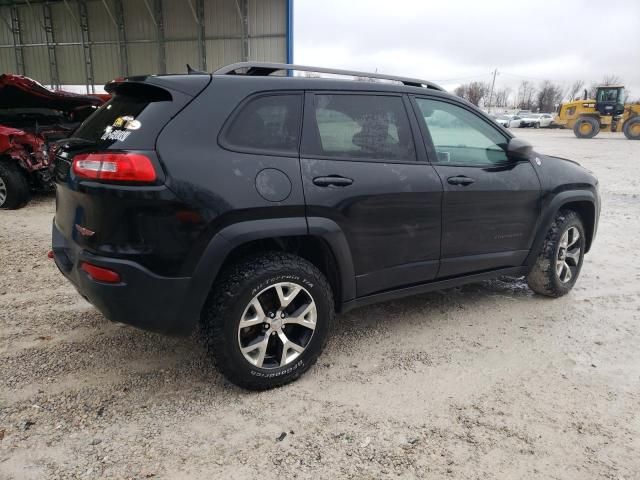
[
  {"x": 286, "y": 346},
  {"x": 574, "y": 235},
  {"x": 291, "y": 293},
  {"x": 564, "y": 241},
  {"x": 574, "y": 256},
  {"x": 261, "y": 348},
  {"x": 567, "y": 273},
  {"x": 257, "y": 318},
  {"x": 259, "y": 345},
  {"x": 305, "y": 316}
]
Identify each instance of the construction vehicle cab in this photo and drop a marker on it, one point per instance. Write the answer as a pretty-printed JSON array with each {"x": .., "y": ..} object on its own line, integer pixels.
[
  {"x": 610, "y": 100},
  {"x": 607, "y": 112}
]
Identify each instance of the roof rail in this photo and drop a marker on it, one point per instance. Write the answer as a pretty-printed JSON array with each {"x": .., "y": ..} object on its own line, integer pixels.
[{"x": 265, "y": 69}]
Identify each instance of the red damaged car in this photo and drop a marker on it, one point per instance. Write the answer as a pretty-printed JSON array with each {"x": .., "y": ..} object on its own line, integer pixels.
[{"x": 32, "y": 118}]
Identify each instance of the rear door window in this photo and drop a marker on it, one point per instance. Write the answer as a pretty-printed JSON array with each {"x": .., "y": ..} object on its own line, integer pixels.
[
  {"x": 266, "y": 124},
  {"x": 364, "y": 127}
]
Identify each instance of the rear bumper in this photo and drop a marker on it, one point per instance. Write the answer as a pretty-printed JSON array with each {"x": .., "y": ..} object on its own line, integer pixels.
[{"x": 142, "y": 299}]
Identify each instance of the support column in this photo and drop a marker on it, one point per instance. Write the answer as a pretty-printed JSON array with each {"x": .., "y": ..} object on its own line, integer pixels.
[
  {"x": 122, "y": 38},
  {"x": 244, "y": 18},
  {"x": 51, "y": 45},
  {"x": 202, "y": 47},
  {"x": 162, "y": 51},
  {"x": 86, "y": 46},
  {"x": 17, "y": 40}
]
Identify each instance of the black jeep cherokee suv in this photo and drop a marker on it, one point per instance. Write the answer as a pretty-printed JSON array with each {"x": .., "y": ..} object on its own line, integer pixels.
[{"x": 255, "y": 206}]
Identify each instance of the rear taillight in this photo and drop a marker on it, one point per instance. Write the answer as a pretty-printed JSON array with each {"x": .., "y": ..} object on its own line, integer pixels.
[
  {"x": 115, "y": 166},
  {"x": 100, "y": 274}
]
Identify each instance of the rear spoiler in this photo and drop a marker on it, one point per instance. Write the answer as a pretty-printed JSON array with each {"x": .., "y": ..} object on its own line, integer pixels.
[{"x": 190, "y": 85}]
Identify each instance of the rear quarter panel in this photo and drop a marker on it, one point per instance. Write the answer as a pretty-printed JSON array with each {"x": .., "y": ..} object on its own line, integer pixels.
[{"x": 219, "y": 185}]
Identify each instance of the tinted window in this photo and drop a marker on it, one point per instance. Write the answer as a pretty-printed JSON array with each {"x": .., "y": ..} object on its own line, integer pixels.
[
  {"x": 132, "y": 118},
  {"x": 373, "y": 127},
  {"x": 461, "y": 137},
  {"x": 267, "y": 124},
  {"x": 113, "y": 121}
]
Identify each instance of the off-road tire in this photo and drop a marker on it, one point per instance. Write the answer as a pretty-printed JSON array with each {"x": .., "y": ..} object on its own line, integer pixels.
[
  {"x": 543, "y": 278},
  {"x": 632, "y": 122},
  {"x": 595, "y": 127},
  {"x": 230, "y": 295},
  {"x": 18, "y": 192}
]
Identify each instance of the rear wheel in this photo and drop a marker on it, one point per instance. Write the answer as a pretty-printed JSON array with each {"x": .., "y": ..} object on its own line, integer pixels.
[
  {"x": 631, "y": 128},
  {"x": 586, "y": 127},
  {"x": 560, "y": 260},
  {"x": 14, "y": 188},
  {"x": 267, "y": 320}
]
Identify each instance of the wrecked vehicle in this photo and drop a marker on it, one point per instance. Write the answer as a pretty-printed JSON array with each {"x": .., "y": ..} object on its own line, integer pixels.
[{"x": 32, "y": 119}]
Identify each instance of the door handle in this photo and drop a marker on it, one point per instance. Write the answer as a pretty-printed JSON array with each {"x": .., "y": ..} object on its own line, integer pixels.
[
  {"x": 332, "y": 180},
  {"x": 460, "y": 180}
]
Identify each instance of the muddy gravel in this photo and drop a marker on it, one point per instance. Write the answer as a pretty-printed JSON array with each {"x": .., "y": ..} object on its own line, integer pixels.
[{"x": 488, "y": 381}]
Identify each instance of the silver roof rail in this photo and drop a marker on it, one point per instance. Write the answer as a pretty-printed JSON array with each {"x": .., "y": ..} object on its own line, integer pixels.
[{"x": 264, "y": 69}]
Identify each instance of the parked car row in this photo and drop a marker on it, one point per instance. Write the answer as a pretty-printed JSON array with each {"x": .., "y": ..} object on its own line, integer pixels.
[{"x": 535, "y": 120}]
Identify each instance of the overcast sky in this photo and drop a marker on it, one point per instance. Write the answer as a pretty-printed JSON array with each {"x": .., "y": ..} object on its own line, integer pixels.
[{"x": 457, "y": 41}]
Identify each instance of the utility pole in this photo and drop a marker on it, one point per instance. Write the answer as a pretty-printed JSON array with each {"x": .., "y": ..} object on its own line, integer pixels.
[{"x": 495, "y": 72}]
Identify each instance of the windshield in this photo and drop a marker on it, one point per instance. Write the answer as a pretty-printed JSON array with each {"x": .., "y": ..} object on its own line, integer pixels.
[{"x": 611, "y": 95}]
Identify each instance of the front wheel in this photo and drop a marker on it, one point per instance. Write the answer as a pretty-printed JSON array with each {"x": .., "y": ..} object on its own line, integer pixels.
[
  {"x": 14, "y": 188},
  {"x": 586, "y": 127},
  {"x": 267, "y": 319},
  {"x": 560, "y": 260}
]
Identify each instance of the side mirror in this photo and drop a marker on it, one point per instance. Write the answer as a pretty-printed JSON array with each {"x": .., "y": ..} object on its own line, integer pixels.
[{"x": 519, "y": 149}]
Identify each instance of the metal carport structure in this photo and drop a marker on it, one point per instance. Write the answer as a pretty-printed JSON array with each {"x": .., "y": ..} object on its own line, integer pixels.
[{"x": 89, "y": 42}]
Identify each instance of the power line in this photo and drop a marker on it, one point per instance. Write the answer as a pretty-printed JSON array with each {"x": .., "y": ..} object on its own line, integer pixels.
[{"x": 463, "y": 78}]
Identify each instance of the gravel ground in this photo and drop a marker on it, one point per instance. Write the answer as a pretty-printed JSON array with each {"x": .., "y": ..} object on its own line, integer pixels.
[{"x": 484, "y": 381}]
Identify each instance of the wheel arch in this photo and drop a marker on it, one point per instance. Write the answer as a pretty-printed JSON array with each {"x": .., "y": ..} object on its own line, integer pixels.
[
  {"x": 584, "y": 203},
  {"x": 321, "y": 242}
]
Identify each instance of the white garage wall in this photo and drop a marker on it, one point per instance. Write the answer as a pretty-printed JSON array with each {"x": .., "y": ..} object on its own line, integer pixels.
[{"x": 137, "y": 49}]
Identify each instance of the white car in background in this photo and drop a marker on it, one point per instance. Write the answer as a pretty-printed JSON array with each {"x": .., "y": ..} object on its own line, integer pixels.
[
  {"x": 530, "y": 120},
  {"x": 546, "y": 119},
  {"x": 509, "y": 121},
  {"x": 536, "y": 120}
]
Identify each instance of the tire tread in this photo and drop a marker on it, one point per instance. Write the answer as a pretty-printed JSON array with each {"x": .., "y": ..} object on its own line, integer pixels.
[{"x": 222, "y": 300}]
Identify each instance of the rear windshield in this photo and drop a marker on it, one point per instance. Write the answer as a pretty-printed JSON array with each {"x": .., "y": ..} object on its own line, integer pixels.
[{"x": 130, "y": 120}]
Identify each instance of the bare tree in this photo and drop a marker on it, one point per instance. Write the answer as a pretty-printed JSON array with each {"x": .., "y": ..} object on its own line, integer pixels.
[
  {"x": 502, "y": 97},
  {"x": 549, "y": 94},
  {"x": 575, "y": 91},
  {"x": 611, "y": 80},
  {"x": 606, "y": 80},
  {"x": 474, "y": 92},
  {"x": 526, "y": 92}
]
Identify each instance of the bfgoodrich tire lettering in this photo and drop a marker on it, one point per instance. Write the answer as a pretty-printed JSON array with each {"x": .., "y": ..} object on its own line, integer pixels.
[
  {"x": 227, "y": 305},
  {"x": 565, "y": 241}
]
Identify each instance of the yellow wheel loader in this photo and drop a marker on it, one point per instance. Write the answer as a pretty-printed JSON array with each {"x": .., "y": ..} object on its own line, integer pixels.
[{"x": 607, "y": 113}]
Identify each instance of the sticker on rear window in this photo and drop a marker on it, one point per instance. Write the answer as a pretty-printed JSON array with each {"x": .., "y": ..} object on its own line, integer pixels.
[
  {"x": 111, "y": 134},
  {"x": 127, "y": 122}
]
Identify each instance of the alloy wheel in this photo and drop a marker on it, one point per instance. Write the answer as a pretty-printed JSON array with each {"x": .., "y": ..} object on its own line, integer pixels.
[
  {"x": 568, "y": 257},
  {"x": 277, "y": 325}
]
